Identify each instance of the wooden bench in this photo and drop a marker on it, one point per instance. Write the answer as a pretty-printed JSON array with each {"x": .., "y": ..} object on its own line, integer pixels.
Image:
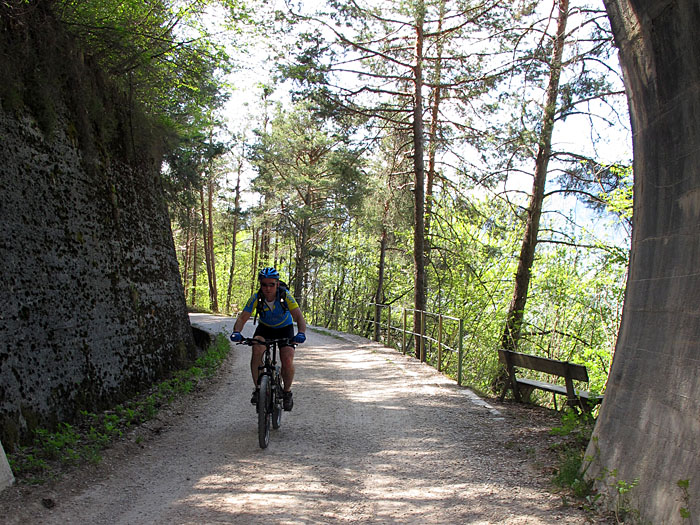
[{"x": 523, "y": 387}]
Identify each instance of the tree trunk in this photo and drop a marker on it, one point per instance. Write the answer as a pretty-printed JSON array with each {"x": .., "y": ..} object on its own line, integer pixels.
[
  {"x": 419, "y": 182},
  {"x": 205, "y": 242},
  {"x": 234, "y": 233},
  {"x": 256, "y": 258},
  {"x": 195, "y": 269},
  {"x": 300, "y": 271},
  {"x": 265, "y": 242},
  {"x": 214, "y": 292},
  {"x": 379, "y": 294},
  {"x": 435, "y": 98},
  {"x": 187, "y": 255},
  {"x": 335, "y": 307},
  {"x": 516, "y": 311}
]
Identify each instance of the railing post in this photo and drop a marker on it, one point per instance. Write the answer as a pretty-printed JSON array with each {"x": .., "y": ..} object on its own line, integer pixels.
[
  {"x": 461, "y": 352},
  {"x": 403, "y": 342},
  {"x": 418, "y": 333},
  {"x": 439, "y": 362},
  {"x": 388, "y": 326},
  {"x": 422, "y": 336},
  {"x": 376, "y": 321}
]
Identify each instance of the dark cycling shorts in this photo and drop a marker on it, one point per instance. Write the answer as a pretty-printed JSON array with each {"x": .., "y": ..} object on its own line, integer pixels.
[{"x": 269, "y": 332}]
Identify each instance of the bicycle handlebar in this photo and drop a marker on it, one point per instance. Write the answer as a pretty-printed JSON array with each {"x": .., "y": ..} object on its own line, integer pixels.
[{"x": 249, "y": 341}]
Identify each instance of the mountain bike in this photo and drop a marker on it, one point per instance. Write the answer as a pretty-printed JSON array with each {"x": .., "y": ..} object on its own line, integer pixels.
[{"x": 269, "y": 403}]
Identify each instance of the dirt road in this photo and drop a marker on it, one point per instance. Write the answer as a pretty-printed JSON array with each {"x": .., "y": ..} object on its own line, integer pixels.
[{"x": 374, "y": 437}]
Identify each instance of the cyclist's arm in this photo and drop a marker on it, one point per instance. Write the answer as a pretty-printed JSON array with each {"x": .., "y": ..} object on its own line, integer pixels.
[
  {"x": 298, "y": 319},
  {"x": 241, "y": 321}
]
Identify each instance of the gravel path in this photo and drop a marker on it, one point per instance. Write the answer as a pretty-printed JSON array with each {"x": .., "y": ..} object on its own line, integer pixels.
[{"x": 374, "y": 437}]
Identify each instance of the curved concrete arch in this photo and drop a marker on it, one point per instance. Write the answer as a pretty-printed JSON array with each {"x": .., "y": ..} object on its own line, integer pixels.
[{"x": 649, "y": 424}]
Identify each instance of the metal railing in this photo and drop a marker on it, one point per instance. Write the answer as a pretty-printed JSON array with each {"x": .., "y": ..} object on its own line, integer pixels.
[{"x": 382, "y": 321}]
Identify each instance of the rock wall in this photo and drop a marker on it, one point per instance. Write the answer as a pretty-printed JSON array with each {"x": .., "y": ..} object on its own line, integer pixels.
[
  {"x": 92, "y": 305},
  {"x": 648, "y": 432}
]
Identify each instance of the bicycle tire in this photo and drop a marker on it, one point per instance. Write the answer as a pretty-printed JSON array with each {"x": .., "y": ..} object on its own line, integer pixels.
[
  {"x": 264, "y": 412},
  {"x": 277, "y": 405}
]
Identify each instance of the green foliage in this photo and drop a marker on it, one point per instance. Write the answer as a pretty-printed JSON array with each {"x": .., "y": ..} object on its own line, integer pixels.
[
  {"x": 60, "y": 444},
  {"x": 619, "y": 199},
  {"x": 324, "y": 204},
  {"x": 575, "y": 425},
  {"x": 154, "y": 69},
  {"x": 309, "y": 176},
  {"x": 72, "y": 444},
  {"x": 574, "y": 310},
  {"x": 576, "y": 429},
  {"x": 160, "y": 51},
  {"x": 623, "y": 507},
  {"x": 569, "y": 473},
  {"x": 684, "y": 485},
  {"x": 617, "y": 496}
]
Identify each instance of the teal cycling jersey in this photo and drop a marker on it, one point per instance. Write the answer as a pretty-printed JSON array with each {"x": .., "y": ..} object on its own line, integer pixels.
[{"x": 276, "y": 316}]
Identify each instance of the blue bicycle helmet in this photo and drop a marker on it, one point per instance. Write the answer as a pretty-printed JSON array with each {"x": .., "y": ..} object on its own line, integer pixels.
[{"x": 268, "y": 273}]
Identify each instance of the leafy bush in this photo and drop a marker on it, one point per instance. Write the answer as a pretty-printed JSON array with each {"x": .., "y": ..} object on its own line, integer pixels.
[{"x": 576, "y": 429}]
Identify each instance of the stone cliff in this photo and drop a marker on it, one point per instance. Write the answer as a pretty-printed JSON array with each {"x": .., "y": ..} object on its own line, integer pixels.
[{"x": 92, "y": 305}]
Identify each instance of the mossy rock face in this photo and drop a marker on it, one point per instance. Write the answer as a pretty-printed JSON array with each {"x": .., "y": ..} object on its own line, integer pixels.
[
  {"x": 9, "y": 431},
  {"x": 34, "y": 419},
  {"x": 92, "y": 299},
  {"x": 185, "y": 354}
]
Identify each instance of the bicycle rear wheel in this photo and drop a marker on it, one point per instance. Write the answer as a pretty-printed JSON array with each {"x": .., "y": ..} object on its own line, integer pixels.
[{"x": 264, "y": 411}]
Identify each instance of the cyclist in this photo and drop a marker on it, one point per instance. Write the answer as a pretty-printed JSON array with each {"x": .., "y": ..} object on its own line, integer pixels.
[{"x": 278, "y": 312}]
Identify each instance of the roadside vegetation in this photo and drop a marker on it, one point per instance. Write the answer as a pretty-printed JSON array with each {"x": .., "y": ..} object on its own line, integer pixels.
[{"x": 73, "y": 445}]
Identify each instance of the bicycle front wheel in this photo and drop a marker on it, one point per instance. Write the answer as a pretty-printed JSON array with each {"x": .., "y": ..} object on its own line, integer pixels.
[
  {"x": 264, "y": 411},
  {"x": 277, "y": 405}
]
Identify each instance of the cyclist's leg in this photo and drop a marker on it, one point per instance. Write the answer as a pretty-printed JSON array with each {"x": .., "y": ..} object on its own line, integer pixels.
[
  {"x": 286, "y": 355},
  {"x": 257, "y": 352},
  {"x": 287, "y": 360},
  {"x": 256, "y": 356}
]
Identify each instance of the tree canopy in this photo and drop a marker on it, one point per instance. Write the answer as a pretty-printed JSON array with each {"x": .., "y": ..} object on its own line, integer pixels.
[{"x": 388, "y": 159}]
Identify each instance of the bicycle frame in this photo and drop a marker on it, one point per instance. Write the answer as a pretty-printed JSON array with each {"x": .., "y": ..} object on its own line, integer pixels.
[
  {"x": 269, "y": 387},
  {"x": 269, "y": 362}
]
